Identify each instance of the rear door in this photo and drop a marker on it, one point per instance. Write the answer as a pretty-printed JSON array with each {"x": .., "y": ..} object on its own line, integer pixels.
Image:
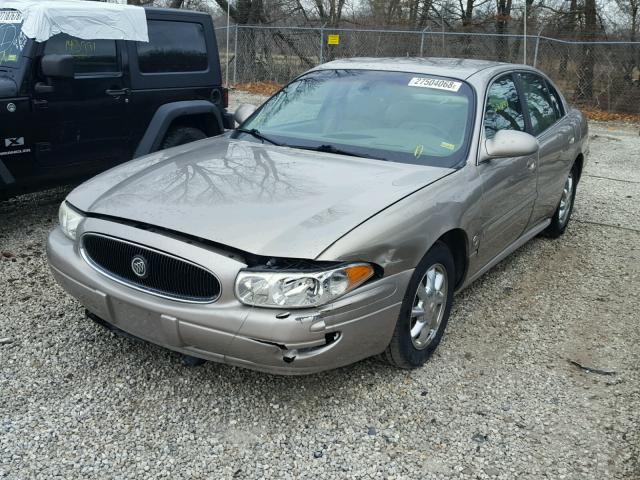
[
  {"x": 509, "y": 184},
  {"x": 83, "y": 123},
  {"x": 549, "y": 124}
]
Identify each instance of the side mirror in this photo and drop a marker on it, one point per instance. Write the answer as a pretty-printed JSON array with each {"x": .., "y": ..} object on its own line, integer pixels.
[
  {"x": 509, "y": 143},
  {"x": 57, "y": 66},
  {"x": 243, "y": 112}
]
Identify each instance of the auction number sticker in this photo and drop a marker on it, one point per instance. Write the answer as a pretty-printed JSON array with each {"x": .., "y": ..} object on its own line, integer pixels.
[
  {"x": 436, "y": 83},
  {"x": 10, "y": 16}
]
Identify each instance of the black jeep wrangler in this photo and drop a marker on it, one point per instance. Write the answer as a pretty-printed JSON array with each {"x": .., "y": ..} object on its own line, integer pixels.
[{"x": 70, "y": 108}]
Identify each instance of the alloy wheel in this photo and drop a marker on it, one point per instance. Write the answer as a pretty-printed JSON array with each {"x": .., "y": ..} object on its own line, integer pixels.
[
  {"x": 428, "y": 306},
  {"x": 566, "y": 200}
]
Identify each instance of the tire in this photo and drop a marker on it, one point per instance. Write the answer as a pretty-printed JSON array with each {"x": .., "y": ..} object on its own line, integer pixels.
[
  {"x": 181, "y": 135},
  {"x": 562, "y": 215},
  {"x": 406, "y": 349}
]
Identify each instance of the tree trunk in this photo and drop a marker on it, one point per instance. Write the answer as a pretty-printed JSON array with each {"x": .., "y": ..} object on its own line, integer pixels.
[
  {"x": 584, "y": 91},
  {"x": 570, "y": 28},
  {"x": 503, "y": 16},
  {"x": 467, "y": 15}
]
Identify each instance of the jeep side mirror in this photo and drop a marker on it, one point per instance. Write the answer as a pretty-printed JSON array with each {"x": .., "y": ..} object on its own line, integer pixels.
[
  {"x": 57, "y": 66},
  {"x": 243, "y": 112},
  {"x": 508, "y": 144}
]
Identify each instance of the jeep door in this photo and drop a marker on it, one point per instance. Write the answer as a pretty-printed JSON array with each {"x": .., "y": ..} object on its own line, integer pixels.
[
  {"x": 82, "y": 124},
  {"x": 509, "y": 184}
]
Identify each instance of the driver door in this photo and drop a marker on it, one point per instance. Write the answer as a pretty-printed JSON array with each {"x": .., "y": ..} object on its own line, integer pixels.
[
  {"x": 509, "y": 184},
  {"x": 82, "y": 124}
]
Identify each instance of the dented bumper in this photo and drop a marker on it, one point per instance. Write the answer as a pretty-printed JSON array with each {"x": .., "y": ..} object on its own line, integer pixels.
[{"x": 356, "y": 326}]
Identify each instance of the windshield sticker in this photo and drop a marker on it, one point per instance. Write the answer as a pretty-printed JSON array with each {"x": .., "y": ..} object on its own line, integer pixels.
[
  {"x": 448, "y": 146},
  {"x": 436, "y": 83},
  {"x": 10, "y": 16}
]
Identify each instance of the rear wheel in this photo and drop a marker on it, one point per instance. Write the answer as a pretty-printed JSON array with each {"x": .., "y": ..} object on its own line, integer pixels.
[
  {"x": 425, "y": 310},
  {"x": 181, "y": 135},
  {"x": 562, "y": 215}
]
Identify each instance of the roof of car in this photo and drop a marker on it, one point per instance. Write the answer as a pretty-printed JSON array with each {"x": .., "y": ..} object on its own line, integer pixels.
[{"x": 448, "y": 67}]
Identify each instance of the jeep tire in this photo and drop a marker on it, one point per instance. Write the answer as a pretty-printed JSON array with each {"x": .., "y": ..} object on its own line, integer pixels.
[{"x": 181, "y": 135}]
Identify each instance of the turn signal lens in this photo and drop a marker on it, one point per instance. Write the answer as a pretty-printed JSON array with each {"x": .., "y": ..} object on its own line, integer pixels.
[{"x": 358, "y": 274}]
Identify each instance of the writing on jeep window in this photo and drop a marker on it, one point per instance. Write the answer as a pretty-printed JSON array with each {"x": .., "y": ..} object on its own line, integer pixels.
[{"x": 12, "y": 40}]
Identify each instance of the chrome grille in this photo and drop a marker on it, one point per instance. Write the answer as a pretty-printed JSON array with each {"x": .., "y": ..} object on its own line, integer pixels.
[{"x": 150, "y": 270}]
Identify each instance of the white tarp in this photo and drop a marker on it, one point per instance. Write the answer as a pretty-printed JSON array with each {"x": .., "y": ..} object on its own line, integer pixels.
[{"x": 88, "y": 20}]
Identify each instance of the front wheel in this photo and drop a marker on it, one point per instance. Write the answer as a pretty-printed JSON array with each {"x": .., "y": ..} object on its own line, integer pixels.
[
  {"x": 561, "y": 216},
  {"x": 425, "y": 310}
]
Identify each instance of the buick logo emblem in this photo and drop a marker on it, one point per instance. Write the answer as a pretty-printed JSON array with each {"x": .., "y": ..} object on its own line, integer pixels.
[{"x": 139, "y": 266}]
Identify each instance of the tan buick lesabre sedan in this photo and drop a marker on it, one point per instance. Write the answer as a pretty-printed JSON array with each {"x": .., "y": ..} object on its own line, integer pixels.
[{"x": 335, "y": 223}]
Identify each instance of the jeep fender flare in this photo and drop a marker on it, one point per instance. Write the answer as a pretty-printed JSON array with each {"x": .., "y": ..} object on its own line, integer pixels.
[{"x": 166, "y": 114}]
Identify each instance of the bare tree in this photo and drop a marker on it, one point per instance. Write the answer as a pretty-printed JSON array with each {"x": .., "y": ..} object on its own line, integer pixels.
[
  {"x": 585, "y": 83},
  {"x": 503, "y": 15},
  {"x": 329, "y": 11},
  {"x": 630, "y": 9}
]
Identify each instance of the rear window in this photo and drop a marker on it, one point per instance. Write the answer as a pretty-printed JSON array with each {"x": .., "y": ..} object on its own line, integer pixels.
[
  {"x": 173, "y": 47},
  {"x": 89, "y": 56}
]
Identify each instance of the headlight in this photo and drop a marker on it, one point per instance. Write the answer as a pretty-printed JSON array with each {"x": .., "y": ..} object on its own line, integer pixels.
[
  {"x": 69, "y": 220},
  {"x": 299, "y": 289}
]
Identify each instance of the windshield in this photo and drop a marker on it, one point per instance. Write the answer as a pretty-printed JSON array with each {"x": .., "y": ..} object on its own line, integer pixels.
[
  {"x": 12, "y": 40},
  {"x": 396, "y": 116}
]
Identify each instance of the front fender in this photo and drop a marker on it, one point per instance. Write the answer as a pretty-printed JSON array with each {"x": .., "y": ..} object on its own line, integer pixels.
[
  {"x": 398, "y": 237},
  {"x": 166, "y": 114}
]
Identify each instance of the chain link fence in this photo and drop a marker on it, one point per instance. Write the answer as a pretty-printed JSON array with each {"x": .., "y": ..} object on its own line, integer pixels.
[{"x": 602, "y": 75}]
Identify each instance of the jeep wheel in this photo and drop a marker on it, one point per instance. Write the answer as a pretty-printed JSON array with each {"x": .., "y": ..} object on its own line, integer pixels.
[{"x": 181, "y": 135}]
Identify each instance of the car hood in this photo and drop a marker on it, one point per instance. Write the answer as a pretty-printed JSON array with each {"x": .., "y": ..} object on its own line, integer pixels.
[{"x": 262, "y": 199}]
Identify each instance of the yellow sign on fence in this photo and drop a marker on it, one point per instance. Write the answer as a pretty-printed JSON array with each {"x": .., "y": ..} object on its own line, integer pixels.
[{"x": 333, "y": 39}]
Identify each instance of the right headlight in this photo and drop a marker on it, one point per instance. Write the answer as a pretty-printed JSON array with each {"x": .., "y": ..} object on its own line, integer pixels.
[
  {"x": 69, "y": 219},
  {"x": 299, "y": 289}
]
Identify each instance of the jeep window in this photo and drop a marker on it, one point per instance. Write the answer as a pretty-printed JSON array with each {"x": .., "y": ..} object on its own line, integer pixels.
[
  {"x": 12, "y": 40},
  {"x": 89, "y": 56},
  {"x": 397, "y": 116},
  {"x": 173, "y": 47}
]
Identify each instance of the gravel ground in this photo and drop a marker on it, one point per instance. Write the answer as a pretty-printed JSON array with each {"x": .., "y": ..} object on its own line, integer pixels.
[{"x": 500, "y": 399}]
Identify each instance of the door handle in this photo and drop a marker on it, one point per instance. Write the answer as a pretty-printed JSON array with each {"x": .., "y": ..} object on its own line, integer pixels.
[
  {"x": 531, "y": 165},
  {"x": 571, "y": 140},
  {"x": 117, "y": 92},
  {"x": 40, "y": 104}
]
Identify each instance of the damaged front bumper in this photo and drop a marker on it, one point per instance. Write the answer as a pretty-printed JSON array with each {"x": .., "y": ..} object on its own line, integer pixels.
[{"x": 354, "y": 327}]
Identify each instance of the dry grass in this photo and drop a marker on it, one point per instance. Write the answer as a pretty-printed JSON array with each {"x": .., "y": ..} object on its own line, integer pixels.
[
  {"x": 259, "y": 88},
  {"x": 602, "y": 116}
]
